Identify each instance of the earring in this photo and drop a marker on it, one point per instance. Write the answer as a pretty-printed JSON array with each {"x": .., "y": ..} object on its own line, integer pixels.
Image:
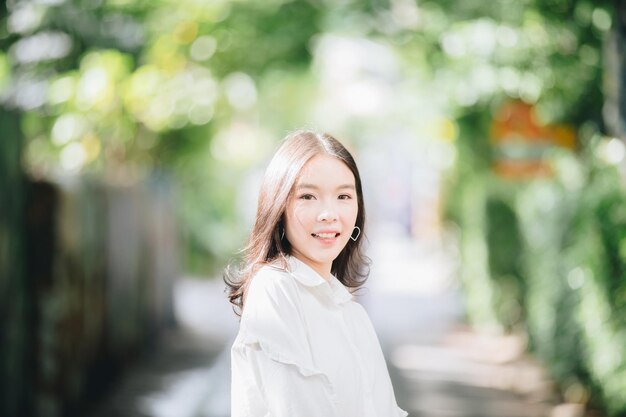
[
  {"x": 357, "y": 235},
  {"x": 282, "y": 236}
]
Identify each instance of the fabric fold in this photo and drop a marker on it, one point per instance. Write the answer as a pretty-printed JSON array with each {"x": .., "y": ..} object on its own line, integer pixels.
[
  {"x": 272, "y": 319},
  {"x": 275, "y": 352}
]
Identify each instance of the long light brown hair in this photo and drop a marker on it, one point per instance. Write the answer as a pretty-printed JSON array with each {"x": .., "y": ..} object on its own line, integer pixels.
[{"x": 267, "y": 242}]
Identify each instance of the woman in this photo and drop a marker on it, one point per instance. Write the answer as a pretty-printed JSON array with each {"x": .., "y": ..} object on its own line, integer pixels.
[{"x": 305, "y": 348}]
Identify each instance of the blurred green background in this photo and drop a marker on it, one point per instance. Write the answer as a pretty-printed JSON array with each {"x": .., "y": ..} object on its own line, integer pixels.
[
  {"x": 205, "y": 90},
  {"x": 514, "y": 108}
]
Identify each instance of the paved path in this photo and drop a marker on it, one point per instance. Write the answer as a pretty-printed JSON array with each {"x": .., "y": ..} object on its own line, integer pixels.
[{"x": 438, "y": 368}]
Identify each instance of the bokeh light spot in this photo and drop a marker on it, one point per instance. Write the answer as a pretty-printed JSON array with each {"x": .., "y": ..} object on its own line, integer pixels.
[
  {"x": 240, "y": 90},
  {"x": 203, "y": 48}
]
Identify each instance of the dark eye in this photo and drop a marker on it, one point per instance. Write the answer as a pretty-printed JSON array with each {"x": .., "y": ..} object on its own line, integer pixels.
[
  {"x": 307, "y": 197},
  {"x": 345, "y": 197}
]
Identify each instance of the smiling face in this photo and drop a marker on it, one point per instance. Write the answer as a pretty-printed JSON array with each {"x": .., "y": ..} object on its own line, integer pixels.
[{"x": 321, "y": 212}]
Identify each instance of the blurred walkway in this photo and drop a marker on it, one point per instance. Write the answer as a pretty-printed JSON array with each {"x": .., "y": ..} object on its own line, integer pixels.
[
  {"x": 438, "y": 368},
  {"x": 188, "y": 375}
]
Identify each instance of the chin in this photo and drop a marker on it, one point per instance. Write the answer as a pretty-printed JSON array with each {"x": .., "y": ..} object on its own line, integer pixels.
[{"x": 325, "y": 258}]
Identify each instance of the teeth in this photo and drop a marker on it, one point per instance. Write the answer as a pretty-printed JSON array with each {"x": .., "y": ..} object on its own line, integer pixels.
[{"x": 326, "y": 235}]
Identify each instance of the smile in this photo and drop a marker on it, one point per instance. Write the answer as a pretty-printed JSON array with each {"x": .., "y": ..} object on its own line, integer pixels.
[{"x": 325, "y": 235}]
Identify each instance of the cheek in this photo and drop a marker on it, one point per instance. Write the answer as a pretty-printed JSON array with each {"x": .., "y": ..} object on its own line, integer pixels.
[
  {"x": 298, "y": 215},
  {"x": 350, "y": 213}
]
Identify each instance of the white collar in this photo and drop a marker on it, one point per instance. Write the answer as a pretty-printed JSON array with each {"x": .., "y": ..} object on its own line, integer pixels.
[{"x": 309, "y": 277}]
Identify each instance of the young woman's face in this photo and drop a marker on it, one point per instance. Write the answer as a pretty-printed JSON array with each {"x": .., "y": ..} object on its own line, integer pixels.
[{"x": 321, "y": 214}]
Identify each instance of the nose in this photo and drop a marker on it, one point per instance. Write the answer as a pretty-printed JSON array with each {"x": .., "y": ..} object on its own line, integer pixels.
[{"x": 327, "y": 215}]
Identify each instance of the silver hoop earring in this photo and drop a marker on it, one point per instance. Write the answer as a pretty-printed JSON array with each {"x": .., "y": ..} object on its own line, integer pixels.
[
  {"x": 282, "y": 236},
  {"x": 357, "y": 235}
]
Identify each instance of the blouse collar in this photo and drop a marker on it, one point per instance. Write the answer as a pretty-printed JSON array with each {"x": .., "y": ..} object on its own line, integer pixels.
[{"x": 309, "y": 277}]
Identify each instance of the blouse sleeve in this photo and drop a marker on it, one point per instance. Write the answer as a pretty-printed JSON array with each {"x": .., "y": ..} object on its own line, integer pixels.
[{"x": 273, "y": 372}]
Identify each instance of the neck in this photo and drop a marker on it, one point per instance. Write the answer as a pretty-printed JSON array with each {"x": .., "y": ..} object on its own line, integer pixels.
[{"x": 321, "y": 268}]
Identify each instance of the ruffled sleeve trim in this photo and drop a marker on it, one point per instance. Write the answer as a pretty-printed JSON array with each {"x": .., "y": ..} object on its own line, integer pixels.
[
  {"x": 277, "y": 354},
  {"x": 274, "y": 352}
]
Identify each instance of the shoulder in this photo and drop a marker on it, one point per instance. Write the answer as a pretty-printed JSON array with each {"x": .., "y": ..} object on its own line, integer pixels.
[
  {"x": 272, "y": 271},
  {"x": 271, "y": 286},
  {"x": 272, "y": 311},
  {"x": 357, "y": 309},
  {"x": 271, "y": 276}
]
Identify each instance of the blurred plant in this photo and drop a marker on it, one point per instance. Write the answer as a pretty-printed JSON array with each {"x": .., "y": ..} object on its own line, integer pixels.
[
  {"x": 551, "y": 247},
  {"x": 120, "y": 88},
  {"x": 553, "y": 250}
]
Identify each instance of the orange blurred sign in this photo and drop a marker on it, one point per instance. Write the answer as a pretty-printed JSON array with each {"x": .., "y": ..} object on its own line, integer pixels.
[{"x": 520, "y": 142}]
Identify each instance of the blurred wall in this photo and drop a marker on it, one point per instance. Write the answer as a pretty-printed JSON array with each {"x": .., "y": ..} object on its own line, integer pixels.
[{"x": 99, "y": 262}]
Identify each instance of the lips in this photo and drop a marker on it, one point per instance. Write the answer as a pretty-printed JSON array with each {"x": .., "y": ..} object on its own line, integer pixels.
[{"x": 326, "y": 235}]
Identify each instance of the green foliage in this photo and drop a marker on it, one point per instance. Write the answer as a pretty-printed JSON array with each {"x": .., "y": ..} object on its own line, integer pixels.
[
  {"x": 137, "y": 85},
  {"x": 122, "y": 88},
  {"x": 504, "y": 243},
  {"x": 261, "y": 37},
  {"x": 599, "y": 259},
  {"x": 477, "y": 285},
  {"x": 555, "y": 248},
  {"x": 545, "y": 211},
  {"x": 13, "y": 301},
  {"x": 527, "y": 247}
]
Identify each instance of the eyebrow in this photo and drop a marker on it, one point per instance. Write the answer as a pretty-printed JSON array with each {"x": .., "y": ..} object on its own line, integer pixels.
[{"x": 315, "y": 187}]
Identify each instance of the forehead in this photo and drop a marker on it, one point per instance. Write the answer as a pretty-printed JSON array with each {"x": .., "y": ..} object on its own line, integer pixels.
[{"x": 325, "y": 170}]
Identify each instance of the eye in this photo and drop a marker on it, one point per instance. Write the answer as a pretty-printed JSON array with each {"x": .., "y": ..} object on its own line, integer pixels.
[
  {"x": 307, "y": 197},
  {"x": 345, "y": 197}
]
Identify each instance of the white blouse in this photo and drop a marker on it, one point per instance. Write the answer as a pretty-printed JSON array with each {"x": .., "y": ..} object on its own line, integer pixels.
[{"x": 305, "y": 348}]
